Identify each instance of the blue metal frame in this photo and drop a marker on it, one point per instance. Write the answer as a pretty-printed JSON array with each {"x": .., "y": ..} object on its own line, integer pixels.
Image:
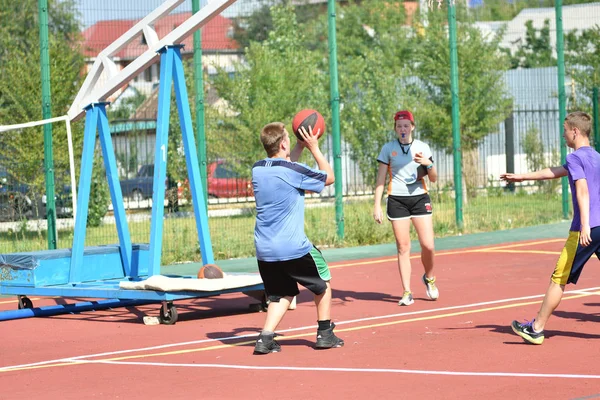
[
  {"x": 171, "y": 71},
  {"x": 110, "y": 290},
  {"x": 96, "y": 118},
  {"x": 130, "y": 256}
]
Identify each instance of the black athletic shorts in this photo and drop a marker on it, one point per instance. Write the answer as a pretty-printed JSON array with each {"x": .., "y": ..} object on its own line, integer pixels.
[
  {"x": 281, "y": 278},
  {"x": 404, "y": 207}
]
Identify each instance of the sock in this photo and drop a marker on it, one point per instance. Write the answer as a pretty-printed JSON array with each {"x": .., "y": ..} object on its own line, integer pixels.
[
  {"x": 267, "y": 333},
  {"x": 533, "y": 327},
  {"x": 325, "y": 324}
]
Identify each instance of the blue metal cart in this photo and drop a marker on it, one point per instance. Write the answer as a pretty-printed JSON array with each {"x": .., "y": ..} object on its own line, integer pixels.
[{"x": 95, "y": 272}]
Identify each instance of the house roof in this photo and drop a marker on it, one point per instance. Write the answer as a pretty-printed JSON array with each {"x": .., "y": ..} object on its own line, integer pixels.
[{"x": 216, "y": 35}]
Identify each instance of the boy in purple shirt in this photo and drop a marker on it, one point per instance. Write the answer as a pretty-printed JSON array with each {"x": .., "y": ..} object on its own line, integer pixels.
[{"x": 583, "y": 169}]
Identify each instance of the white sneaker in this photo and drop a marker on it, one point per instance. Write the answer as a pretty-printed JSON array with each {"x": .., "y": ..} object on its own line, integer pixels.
[
  {"x": 406, "y": 299},
  {"x": 432, "y": 291}
]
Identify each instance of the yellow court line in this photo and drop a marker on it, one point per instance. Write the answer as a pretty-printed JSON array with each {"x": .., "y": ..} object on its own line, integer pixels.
[
  {"x": 525, "y": 251},
  {"x": 426, "y": 318},
  {"x": 481, "y": 250},
  {"x": 224, "y": 346}
]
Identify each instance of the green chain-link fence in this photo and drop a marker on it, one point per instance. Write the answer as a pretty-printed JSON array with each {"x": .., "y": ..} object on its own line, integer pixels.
[{"x": 263, "y": 61}]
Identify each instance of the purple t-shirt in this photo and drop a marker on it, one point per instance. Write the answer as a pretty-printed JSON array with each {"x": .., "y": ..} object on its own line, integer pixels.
[{"x": 584, "y": 163}]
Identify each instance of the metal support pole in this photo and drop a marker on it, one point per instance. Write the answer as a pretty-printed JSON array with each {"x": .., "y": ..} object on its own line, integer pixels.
[
  {"x": 509, "y": 149},
  {"x": 562, "y": 102},
  {"x": 96, "y": 119},
  {"x": 171, "y": 70},
  {"x": 456, "y": 147},
  {"x": 199, "y": 85},
  {"x": 47, "y": 114},
  {"x": 335, "y": 121}
]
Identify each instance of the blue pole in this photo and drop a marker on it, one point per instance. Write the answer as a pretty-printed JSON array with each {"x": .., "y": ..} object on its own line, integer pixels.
[
  {"x": 69, "y": 308},
  {"x": 83, "y": 198},
  {"x": 191, "y": 158},
  {"x": 160, "y": 159},
  {"x": 112, "y": 174}
]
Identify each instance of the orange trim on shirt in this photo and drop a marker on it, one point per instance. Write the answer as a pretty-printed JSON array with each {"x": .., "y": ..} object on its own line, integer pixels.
[{"x": 424, "y": 182}]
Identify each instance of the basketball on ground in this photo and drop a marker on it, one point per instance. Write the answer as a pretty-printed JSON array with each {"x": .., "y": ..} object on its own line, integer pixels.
[
  {"x": 306, "y": 118},
  {"x": 210, "y": 271}
]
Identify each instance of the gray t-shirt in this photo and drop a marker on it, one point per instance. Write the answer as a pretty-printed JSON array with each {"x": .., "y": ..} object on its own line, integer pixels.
[{"x": 403, "y": 170}]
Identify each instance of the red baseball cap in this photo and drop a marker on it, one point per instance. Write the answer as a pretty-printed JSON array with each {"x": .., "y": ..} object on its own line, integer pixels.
[{"x": 404, "y": 115}]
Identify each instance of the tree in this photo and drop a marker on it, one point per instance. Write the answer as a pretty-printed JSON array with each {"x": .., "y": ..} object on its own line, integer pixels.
[
  {"x": 582, "y": 56},
  {"x": 278, "y": 78},
  {"x": 483, "y": 96},
  {"x": 537, "y": 51},
  {"x": 21, "y": 152},
  {"x": 373, "y": 49},
  {"x": 255, "y": 28}
]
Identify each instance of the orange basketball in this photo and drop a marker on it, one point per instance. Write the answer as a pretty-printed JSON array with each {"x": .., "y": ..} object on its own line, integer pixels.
[
  {"x": 306, "y": 118},
  {"x": 210, "y": 271}
]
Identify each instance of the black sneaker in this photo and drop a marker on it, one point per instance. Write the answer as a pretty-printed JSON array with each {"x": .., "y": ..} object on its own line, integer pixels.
[
  {"x": 266, "y": 344},
  {"x": 525, "y": 330},
  {"x": 326, "y": 339}
]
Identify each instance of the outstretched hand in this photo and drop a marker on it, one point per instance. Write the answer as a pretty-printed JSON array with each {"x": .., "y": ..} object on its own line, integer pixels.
[{"x": 511, "y": 178}]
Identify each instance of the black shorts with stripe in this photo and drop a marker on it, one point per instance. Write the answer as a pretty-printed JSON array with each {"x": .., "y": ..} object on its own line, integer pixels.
[
  {"x": 281, "y": 278},
  {"x": 403, "y": 207}
]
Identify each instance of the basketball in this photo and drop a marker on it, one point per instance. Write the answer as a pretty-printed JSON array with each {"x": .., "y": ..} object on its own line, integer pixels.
[
  {"x": 306, "y": 118},
  {"x": 210, "y": 271}
]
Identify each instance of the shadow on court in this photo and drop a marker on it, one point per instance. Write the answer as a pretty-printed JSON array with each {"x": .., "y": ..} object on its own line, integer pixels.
[
  {"x": 582, "y": 317},
  {"x": 188, "y": 310},
  {"x": 253, "y": 332},
  {"x": 350, "y": 295},
  {"x": 548, "y": 333}
]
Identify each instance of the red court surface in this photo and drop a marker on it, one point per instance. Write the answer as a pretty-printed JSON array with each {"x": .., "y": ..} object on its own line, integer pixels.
[{"x": 459, "y": 347}]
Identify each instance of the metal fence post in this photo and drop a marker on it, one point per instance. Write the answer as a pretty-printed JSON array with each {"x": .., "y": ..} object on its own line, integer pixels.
[
  {"x": 199, "y": 85},
  {"x": 509, "y": 147},
  {"x": 46, "y": 114},
  {"x": 562, "y": 103},
  {"x": 335, "y": 120},
  {"x": 456, "y": 147}
]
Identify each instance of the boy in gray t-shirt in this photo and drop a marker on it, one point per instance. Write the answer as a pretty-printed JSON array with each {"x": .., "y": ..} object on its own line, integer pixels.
[{"x": 583, "y": 169}]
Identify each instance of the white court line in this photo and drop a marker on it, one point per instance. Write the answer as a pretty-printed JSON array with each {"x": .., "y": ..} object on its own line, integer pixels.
[
  {"x": 328, "y": 369},
  {"x": 252, "y": 335}
]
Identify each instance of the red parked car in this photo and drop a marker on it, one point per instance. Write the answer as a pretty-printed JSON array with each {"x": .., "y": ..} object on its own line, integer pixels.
[{"x": 223, "y": 181}]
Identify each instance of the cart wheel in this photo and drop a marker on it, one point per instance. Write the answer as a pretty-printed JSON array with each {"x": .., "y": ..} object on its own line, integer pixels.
[
  {"x": 25, "y": 302},
  {"x": 170, "y": 317}
]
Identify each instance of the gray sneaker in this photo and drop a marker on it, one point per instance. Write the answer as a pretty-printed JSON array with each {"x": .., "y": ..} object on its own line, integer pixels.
[
  {"x": 432, "y": 291},
  {"x": 266, "y": 344},
  {"x": 326, "y": 339},
  {"x": 406, "y": 299}
]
